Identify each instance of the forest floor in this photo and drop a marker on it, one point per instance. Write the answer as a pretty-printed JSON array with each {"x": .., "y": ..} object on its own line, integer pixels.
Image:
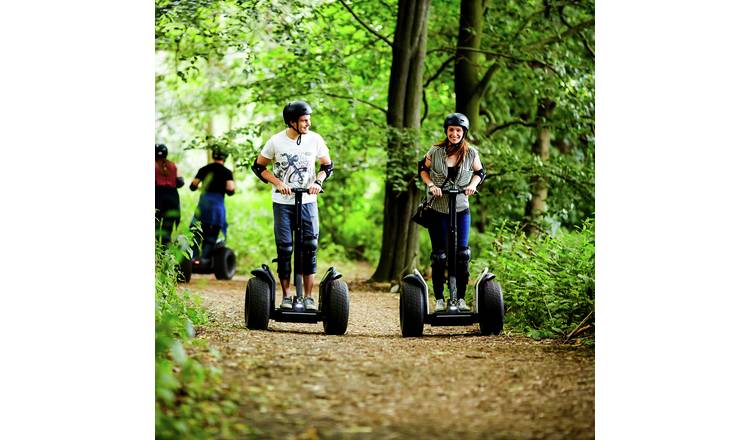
[{"x": 294, "y": 382}]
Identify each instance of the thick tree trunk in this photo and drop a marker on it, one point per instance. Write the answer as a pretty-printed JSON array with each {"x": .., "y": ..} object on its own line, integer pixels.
[
  {"x": 466, "y": 77},
  {"x": 536, "y": 207},
  {"x": 400, "y": 241}
]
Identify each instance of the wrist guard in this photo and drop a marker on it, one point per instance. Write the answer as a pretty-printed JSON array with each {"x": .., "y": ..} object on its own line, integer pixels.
[
  {"x": 328, "y": 169},
  {"x": 480, "y": 172},
  {"x": 422, "y": 167}
]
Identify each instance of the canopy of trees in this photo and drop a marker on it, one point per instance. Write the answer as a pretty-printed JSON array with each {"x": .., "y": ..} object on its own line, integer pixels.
[{"x": 381, "y": 75}]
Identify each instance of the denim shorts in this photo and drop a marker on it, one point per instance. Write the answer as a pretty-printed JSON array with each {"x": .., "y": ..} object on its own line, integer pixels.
[{"x": 283, "y": 221}]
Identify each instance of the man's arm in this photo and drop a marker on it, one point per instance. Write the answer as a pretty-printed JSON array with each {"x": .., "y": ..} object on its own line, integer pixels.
[
  {"x": 264, "y": 175},
  {"x": 326, "y": 169}
]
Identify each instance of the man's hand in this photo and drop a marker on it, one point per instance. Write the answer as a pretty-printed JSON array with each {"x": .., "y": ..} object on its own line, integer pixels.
[
  {"x": 283, "y": 189},
  {"x": 315, "y": 188}
]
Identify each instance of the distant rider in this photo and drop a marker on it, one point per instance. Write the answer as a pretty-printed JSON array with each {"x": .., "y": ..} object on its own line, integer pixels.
[
  {"x": 210, "y": 217},
  {"x": 168, "y": 179}
]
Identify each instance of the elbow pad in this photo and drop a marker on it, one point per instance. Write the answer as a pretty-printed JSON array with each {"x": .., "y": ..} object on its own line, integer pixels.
[
  {"x": 180, "y": 182},
  {"x": 480, "y": 172},
  {"x": 422, "y": 166},
  {"x": 327, "y": 168},
  {"x": 258, "y": 170}
]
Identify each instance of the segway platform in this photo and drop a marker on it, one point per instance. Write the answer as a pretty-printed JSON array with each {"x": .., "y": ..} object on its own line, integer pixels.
[
  {"x": 414, "y": 305},
  {"x": 333, "y": 293}
]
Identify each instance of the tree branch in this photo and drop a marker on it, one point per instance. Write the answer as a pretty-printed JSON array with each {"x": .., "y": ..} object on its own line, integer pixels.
[
  {"x": 561, "y": 14},
  {"x": 371, "y": 30},
  {"x": 426, "y": 109},
  {"x": 531, "y": 62},
  {"x": 352, "y": 98},
  {"x": 570, "y": 31},
  {"x": 490, "y": 131},
  {"x": 439, "y": 71},
  {"x": 482, "y": 85}
]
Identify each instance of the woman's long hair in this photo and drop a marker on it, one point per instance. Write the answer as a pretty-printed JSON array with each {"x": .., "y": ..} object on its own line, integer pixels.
[
  {"x": 462, "y": 149},
  {"x": 163, "y": 165}
]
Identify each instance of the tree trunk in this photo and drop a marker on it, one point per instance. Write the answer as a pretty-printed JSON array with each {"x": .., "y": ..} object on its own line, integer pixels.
[
  {"x": 468, "y": 85},
  {"x": 536, "y": 207},
  {"x": 400, "y": 241},
  {"x": 209, "y": 134}
]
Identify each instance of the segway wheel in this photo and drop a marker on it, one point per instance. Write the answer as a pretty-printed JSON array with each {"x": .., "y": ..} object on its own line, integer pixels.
[
  {"x": 224, "y": 263},
  {"x": 492, "y": 309},
  {"x": 257, "y": 304},
  {"x": 411, "y": 310},
  {"x": 336, "y": 309},
  {"x": 184, "y": 270}
]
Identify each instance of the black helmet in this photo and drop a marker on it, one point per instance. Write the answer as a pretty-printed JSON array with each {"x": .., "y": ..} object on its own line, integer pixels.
[
  {"x": 161, "y": 151},
  {"x": 218, "y": 154},
  {"x": 294, "y": 110},
  {"x": 458, "y": 119}
]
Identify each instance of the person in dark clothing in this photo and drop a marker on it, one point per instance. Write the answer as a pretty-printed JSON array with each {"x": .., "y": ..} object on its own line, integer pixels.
[
  {"x": 215, "y": 180},
  {"x": 168, "y": 179},
  {"x": 451, "y": 162}
]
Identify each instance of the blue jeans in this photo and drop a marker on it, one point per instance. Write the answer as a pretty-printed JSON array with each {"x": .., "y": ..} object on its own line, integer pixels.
[
  {"x": 439, "y": 239},
  {"x": 283, "y": 225}
]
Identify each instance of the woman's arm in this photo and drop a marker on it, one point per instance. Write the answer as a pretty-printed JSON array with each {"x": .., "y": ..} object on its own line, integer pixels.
[{"x": 475, "y": 179}]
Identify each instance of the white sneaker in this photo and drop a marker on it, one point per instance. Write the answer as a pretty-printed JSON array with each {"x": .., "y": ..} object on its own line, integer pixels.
[
  {"x": 440, "y": 305},
  {"x": 462, "y": 306}
]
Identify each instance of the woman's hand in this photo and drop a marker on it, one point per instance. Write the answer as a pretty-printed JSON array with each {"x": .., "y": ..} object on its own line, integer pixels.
[
  {"x": 436, "y": 191},
  {"x": 471, "y": 189}
]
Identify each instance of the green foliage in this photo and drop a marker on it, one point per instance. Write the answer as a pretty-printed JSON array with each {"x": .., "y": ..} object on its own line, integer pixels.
[
  {"x": 350, "y": 227},
  {"x": 189, "y": 403},
  {"x": 548, "y": 283}
]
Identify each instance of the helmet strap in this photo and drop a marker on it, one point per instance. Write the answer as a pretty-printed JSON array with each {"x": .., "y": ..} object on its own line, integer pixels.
[{"x": 299, "y": 138}]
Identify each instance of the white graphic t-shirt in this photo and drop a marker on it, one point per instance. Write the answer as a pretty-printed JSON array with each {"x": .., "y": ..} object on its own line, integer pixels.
[{"x": 294, "y": 164}]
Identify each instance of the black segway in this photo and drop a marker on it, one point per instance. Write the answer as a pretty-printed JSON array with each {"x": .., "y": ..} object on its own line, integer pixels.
[
  {"x": 333, "y": 294},
  {"x": 221, "y": 262},
  {"x": 414, "y": 307}
]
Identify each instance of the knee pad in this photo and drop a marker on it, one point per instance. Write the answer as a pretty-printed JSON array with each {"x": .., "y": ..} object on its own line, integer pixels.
[
  {"x": 463, "y": 256},
  {"x": 309, "y": 255},
  {"x": 284, "y": 260},
  {"x": 439, "y": 262},
  {"x": 439, "y": 258},
  {"x": 211, "y": 233}
]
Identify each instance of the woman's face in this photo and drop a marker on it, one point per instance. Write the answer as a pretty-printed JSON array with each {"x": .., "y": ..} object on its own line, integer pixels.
[{"x": 455, "y": 133}]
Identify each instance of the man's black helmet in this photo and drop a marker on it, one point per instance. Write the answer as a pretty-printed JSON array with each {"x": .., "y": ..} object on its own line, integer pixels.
[
  {"x": 294, "y": 110},
  {"x": 218, "y": 154},
  {"x": 161, "y": 151},
  {"x": 458, "y": 119}
]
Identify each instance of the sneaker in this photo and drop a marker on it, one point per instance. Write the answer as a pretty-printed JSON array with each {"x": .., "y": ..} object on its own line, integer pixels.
[
  {"x": 309, "y": 303},
  {"x": 286, "y": 303},
  {"x": 462, "y": 306},
  {"x": 440, "y": 305}
]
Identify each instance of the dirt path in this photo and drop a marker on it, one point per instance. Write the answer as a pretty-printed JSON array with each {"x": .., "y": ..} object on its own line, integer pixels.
[{"x": 296, "y": 382}]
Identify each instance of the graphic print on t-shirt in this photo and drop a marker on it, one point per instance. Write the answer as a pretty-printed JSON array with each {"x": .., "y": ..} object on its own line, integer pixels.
[{"x": 292, "y": 169}]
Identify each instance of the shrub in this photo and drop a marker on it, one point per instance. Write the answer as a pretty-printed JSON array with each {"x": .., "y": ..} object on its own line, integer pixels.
[
  {"x": 189, "y": 403},
  {"x": 548, "y": 283}
]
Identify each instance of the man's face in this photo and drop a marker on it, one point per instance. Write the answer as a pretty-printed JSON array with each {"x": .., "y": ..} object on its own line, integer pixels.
[{"x": 303, "y": 124}]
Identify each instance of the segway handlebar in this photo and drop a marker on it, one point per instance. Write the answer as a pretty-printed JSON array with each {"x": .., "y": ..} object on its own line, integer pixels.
[
  {"x": 300, "y": 190},
  {"x": 456, "y": 191}
]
